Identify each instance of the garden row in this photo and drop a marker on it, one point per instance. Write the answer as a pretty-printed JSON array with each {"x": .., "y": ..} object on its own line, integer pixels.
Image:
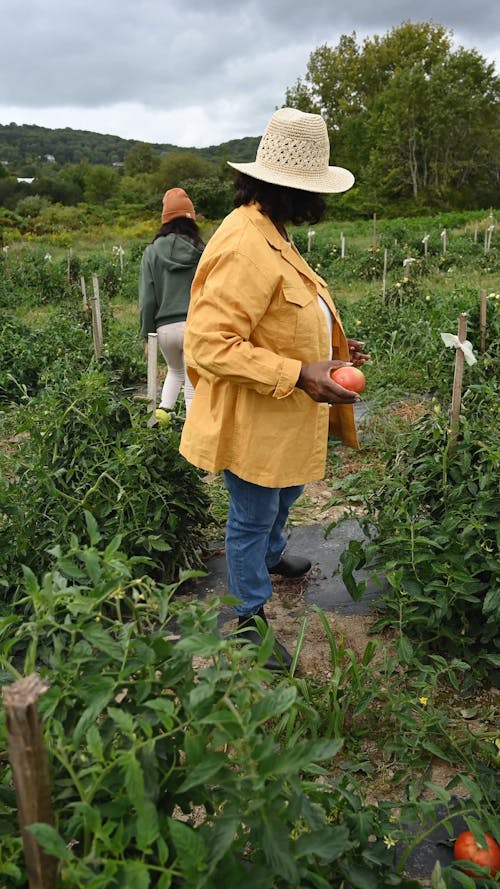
[{"x": 169, "y": 771}]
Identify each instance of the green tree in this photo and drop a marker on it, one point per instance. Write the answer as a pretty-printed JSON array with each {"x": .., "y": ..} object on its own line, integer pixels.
[
  {"x": 142, "y": 158},
  {"x": 412, "y": 118},
  {"x": 101, "y": 184},
  {"x": 212, "y": 197},
  {"x": 32, "y": 206},
  {"x": 180, "y": 166},
  {"x": 137, "y": 189}
]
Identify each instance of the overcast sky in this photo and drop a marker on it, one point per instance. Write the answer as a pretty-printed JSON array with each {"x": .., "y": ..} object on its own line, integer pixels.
[{"x": 190, "y": 72}]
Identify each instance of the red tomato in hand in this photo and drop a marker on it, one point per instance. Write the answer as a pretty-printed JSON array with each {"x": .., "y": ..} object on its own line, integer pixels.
[
  {"x": 466, "y": 848},
  {"x": 350, "y": 378}
]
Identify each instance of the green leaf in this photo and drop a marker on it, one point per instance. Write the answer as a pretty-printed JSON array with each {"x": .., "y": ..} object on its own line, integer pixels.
[
  {"x": 204, "y": 772},
  {"x": 275, "y": 702},
  {"x": 266, "y": 647},
  {"x": 277, "y": 848},
  {"x": 10, "y": 870},
  {"x": 327, "y": 844},
  {"x": 405, "y": 650},
  {"x": 99, "y": 700},
  {"x": 92, "y": 563},
  {"x": 100, "y": 639},
  {"x": 434, "y": 749},
  {"x": 113, "y": 546},
  {"x": 70, "y": 568},
  {"x": 30, "y": 582},
  {"x": 491, "y": 602},
  {"x": 165, "y": 709},
  {"x": 50, "y": 841},
  {"x": 222, "y": 836},
  {"x": 147, "y": 825},
  {"x": 134, "y": 780},
  {"x": 361, "y": 877},
  {"x": 437, "y": 881},
  {"x": 190, "y": 848},
  {"x": 203, "y": 646},
  {"x": 352, "y": 559},
  {"x": 122, "y": 719},
  {"x": 464, "y": 879},
  {"x": 301, "y": 756},
  {"x": 135, "y": 875},
  {"x": 158, "y": 544},
  {"x": 94, "y": 743},
  {"x": 92, "y": 528}
]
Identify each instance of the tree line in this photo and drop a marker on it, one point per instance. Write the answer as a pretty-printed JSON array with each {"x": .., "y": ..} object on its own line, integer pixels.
[{"x": 417, "y": 121}]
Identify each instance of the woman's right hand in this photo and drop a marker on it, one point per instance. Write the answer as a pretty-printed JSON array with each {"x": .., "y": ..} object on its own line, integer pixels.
[{"x": 315, "y": 381}]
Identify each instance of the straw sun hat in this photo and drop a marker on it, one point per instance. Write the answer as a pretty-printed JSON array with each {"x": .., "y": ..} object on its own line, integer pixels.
[{"x": 295, "y": 151}]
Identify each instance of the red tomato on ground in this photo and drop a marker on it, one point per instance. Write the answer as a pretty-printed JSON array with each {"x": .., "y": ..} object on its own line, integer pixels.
[
  {"x": 350, "y": 378},
  {"x": 466, "y": 848}
]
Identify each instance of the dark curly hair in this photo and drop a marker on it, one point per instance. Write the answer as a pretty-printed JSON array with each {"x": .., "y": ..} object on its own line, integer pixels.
[
  {"x": 181, "y": 225},
  {"x": 279, "y": 202}
]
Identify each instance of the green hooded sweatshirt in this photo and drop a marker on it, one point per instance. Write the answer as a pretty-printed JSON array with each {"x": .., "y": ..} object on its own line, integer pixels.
[{"x": 167, "y": 271}]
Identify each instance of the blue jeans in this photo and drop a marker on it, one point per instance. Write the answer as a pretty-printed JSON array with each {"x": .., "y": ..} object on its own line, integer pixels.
[{"x": 255, "y": 538}]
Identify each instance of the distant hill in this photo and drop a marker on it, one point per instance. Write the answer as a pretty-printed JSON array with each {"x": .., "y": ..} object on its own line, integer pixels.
[{"x": 27, "y": 143}]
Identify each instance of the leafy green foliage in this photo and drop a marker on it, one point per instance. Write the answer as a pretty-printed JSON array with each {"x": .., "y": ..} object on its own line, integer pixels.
[
  {"x": 176, "y": 760},
  {"x": 408, "y": 115},
  {"x": 84, "y": 446},
  {"x": 26, "y": 355},
  {"x": 140, "y": 741},
  {"x": 435, "y": 535}
]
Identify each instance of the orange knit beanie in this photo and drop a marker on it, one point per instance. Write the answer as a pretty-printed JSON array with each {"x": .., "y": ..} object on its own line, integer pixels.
[{"x": 176, "y": 203}]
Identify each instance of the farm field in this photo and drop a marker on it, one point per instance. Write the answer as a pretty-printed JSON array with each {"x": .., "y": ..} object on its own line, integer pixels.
[{"x": 174, "y": 759}]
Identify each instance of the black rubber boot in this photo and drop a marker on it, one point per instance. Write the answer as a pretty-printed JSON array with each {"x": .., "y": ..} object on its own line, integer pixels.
[
  {"x": 291, "y": 566},
  {"x": 280, "y": 660}
]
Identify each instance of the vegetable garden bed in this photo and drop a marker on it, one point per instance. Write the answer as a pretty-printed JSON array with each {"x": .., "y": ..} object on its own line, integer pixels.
[{"x": 309, "y": 780}]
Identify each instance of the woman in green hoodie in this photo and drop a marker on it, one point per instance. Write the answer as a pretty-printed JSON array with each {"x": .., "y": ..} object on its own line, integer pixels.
[{"x": 167, "y": 271}]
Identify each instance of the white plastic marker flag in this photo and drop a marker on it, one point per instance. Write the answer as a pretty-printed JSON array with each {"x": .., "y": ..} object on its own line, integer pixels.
[{"x": 451, "y": 340}]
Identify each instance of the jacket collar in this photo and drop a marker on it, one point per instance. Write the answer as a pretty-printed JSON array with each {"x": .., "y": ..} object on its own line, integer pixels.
[
  {"x": 273, "y": 237},
  {"x": 287, "y": 249}
]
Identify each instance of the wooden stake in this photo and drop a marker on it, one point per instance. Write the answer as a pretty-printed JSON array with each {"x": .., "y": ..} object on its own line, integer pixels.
[
  {"x": 152, "y": 377},
  {"x": 68, "y": 267},
  {"x": 310, "y": 239},
  {"x": 384, "y": 275},
  {"x": 443, "y": 240},
  {"x": 456, "y": 400},
  {"x": 425, "y": 242},
  {"x": 482, "y": 318},
  {"x": 407, "y": 265},
  {"x": 96, "y": 317},
  {"x": 491, "y": 229},
  {"x": 84, "y": 294},
  {"x": 342, "y": 246},
  {"x": 28, "y": 759}
]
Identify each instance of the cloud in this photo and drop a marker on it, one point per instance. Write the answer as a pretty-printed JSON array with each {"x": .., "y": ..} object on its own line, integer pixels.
[{"x": 188, "y": 73}]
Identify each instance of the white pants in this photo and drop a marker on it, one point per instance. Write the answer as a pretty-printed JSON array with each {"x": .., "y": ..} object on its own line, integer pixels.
[{"x": 171, "y": 343}]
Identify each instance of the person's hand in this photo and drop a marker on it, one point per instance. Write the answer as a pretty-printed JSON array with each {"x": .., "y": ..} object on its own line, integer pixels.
[
  {"x": 315, "y": 381},
  {"x": 356, "y": 356}
]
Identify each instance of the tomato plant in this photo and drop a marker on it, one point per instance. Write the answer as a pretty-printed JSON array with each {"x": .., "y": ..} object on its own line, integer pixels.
[
  {"x": 467, "y": 848},
  {"x": 350, "y": 378}
]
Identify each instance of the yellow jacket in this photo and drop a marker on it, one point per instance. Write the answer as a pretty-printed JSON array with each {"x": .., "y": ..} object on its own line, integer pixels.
[{"x": 253, "y": 320}]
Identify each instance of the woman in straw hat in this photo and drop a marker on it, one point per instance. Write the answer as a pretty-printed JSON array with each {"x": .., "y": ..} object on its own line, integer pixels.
[
  {"x": 261, "y": 339},
  {"x": 166, "y": 274}
]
